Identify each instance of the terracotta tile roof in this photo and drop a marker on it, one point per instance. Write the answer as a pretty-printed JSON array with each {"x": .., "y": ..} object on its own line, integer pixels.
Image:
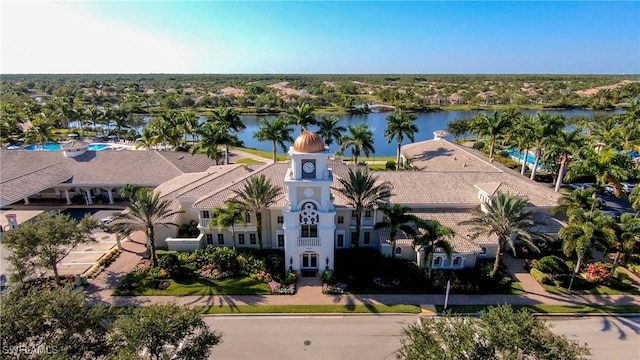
[
  {"x": 30, "y": 183},
  {"x": 461, "y": 242}
]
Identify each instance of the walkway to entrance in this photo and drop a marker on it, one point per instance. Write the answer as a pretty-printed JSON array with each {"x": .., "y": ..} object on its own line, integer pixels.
[{"x": 309, "y": 287}]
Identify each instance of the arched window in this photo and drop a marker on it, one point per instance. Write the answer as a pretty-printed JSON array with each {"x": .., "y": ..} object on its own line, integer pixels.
[
  {"x": 309, "y": 214},
  {"x": 457, "y": 261},
  {"x": 309, "y": 219},
  {"x": 437, "y": 261},
  {"x": 398, "y": 250},
  {"x": 483, "y": 250}
]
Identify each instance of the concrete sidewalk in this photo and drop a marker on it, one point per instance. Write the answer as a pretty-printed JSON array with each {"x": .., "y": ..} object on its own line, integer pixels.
[{"x": 309, "y": 293}]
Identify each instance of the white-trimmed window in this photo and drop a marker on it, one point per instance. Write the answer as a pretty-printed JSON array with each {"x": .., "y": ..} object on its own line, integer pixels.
[
  {"x": 368, "y": 213},
  {"x": 247, "y": 217},
  {"x": 367, "y": 237},
  {"x": 398, "y": 250},
  {"x": 209, "y": 239},
  {"x": 280, "y": 219},
  {"x": 241, "y": 239},
  {"x": 220, "y": 239},
  {"x": 280, "y": 240},
  {"x": 340, "y": 219},
  {"x": 437, "y": 261},
  {"x": 457, "y": 261},
  {"x": 252, "y": 239},
  {"x": 204, "y": 214}
]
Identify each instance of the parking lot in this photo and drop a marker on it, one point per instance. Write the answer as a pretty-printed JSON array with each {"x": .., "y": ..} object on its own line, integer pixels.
[{"x": 81, "y": 258}]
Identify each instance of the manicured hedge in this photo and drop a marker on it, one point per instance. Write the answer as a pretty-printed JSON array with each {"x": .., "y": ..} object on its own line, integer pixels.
[
  {"x": 540, "y": 277},
  {"x": 552, "y": 265}
]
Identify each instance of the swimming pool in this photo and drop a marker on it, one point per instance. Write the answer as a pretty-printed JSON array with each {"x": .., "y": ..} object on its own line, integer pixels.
[
  {"x": 58, "y": 147},
  {"x": 531, "y": 157}
]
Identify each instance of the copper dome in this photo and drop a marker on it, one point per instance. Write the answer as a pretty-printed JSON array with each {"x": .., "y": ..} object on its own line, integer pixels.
[{"x": 308, "y": 142}]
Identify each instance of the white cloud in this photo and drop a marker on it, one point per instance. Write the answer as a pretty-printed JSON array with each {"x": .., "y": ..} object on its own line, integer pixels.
[{"x": 59, "y": 38}]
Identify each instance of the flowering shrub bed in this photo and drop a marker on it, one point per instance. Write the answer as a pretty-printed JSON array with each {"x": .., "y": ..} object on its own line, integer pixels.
[
  {"x": 211, "y": 271},
  {"x": 262, "y": 276},
  {"x": 279, "y": 289},
  {"x": 337, "y": 289},
  {"x": 598, "y": 272},
  {"x": 386, "y": 283}
]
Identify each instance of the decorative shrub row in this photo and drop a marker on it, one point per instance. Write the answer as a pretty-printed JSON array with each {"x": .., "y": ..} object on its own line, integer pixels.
[
  {"x": 552, "y": 265},
  {"x": 540, "y": 277},
  {"x": 104, "y": 262}
]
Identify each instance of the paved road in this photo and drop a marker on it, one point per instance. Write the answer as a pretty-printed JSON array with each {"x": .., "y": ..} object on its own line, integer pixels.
[
  {"x": 608, "y": 337},
  {"x": 308, "y": 337},
  {"x": 378, "y": 337}
]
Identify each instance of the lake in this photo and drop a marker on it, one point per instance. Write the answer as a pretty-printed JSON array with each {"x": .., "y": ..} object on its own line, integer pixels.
[{"x": 427, "y": 124}]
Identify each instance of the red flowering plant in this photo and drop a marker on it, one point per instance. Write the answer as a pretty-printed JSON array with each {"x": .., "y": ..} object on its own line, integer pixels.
[{"x": 598, "y": 272}]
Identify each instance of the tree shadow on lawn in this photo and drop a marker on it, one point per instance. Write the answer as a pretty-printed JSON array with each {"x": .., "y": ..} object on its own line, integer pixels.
[{"x": 351, "y": 303}]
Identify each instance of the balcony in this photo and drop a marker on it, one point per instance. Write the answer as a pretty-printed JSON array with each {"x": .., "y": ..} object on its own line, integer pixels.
[
  {"x": 204, "y": 223},
  {"x": 308, "y": 242}
]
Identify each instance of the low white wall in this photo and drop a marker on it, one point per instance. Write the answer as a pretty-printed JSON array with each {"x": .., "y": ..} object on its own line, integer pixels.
[{"x": 184, "y": 244}]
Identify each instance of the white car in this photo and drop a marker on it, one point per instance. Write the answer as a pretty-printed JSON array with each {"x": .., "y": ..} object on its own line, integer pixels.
[
  {"x": 106, "y": 221},
  {"x": 628, "y": 187}
]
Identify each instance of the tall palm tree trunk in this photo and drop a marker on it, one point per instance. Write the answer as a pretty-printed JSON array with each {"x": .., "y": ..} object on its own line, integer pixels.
[
  {"x": 275, "y": 150},
  {"x": 524, "y": 162},
  {"x": 226, "y": 154},
  {"x": 358, "y": 228},
  {"x": 233, "y": 238},
  {"x": 152, "y": 246},
  {"x": 496, "y": 263},
  {"x": 535, "y": 165},
  {"x": 492, "y": 148},
  {"x": 398, "y": 156},
  {"x": 259, "y": 228},
  {"x": 563, "y": 166}
]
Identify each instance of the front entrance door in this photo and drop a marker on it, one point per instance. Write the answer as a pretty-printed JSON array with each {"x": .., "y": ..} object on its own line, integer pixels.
[{"x": 309, "y": 264}]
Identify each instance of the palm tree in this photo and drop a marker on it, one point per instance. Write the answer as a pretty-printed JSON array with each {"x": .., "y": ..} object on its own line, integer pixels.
[
  {"x": 507, "y": 218},
  {"x": 634, "y": 199},
  {"x": 189, "y": 125},
  {"x": 398, "y": 219},
  {"x": 493, "y": 126},
  {"x": 227, "y": 217},
  {"x": 518, "y": 138},
  {"x": 278, "y": 131},
  {"x": 302, "y": 115},
  {"x": 608, "y": 166},
  {"x": 565, "y": 145},
  {"x": 360, "y": 140},
  {"x": 146, "y": 139},
  {"x": 212, "y": 135},
  {"x": 145, "y": 212},
  {"x": 41, "y": 131},
  {"x": 362, "y": 192},
  {"x": 545, "y": 127},
  {"x": 435, "y": 236},
  {"x": 230, "y": 117},
  {"x": 586, "y": 230},
  {"x": 257, "y": 194},
  {"x": 329, "y": 130},
  {"x": 629, "y": 235},
  {"x": 399, "y": 125},
  {"x": 577, "y": 199},
  {"x": 129, "y": 190}
]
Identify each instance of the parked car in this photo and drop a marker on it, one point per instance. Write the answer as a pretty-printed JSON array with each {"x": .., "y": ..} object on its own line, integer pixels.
[
  {"x": 613, "y": 213},
  {"x": 602, "y": 203},
  {"x": 105, "y": 222},
  {"x": 628, "y": 187},
  {"x": 581, "y": 186}
]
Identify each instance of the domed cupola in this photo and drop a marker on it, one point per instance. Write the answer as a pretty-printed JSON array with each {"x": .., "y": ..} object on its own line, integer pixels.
[
  {"x": 74, "y": 148},
  {"x": 309, "y": 142}
]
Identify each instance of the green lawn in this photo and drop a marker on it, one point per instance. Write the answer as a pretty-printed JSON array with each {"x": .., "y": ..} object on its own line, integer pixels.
[
  {"x": 514, "y": 289},
  {"x": 598, "y": 290},
  {"x": 265, "y": 154},
  {"x": 313, "y": 309},
  {"x": 248, "y": 161},
  {"x": 197, "y": 286},
  {"x": 550, "y": 309}
]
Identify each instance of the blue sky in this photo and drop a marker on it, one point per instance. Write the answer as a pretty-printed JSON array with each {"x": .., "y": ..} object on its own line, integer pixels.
[{"x": 320, "y": 37}]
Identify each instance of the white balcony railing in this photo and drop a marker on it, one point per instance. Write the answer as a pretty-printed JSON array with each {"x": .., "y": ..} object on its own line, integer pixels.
[
  {"x": 307, "y": 241},
  {"x": 204, "y": 223}
]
